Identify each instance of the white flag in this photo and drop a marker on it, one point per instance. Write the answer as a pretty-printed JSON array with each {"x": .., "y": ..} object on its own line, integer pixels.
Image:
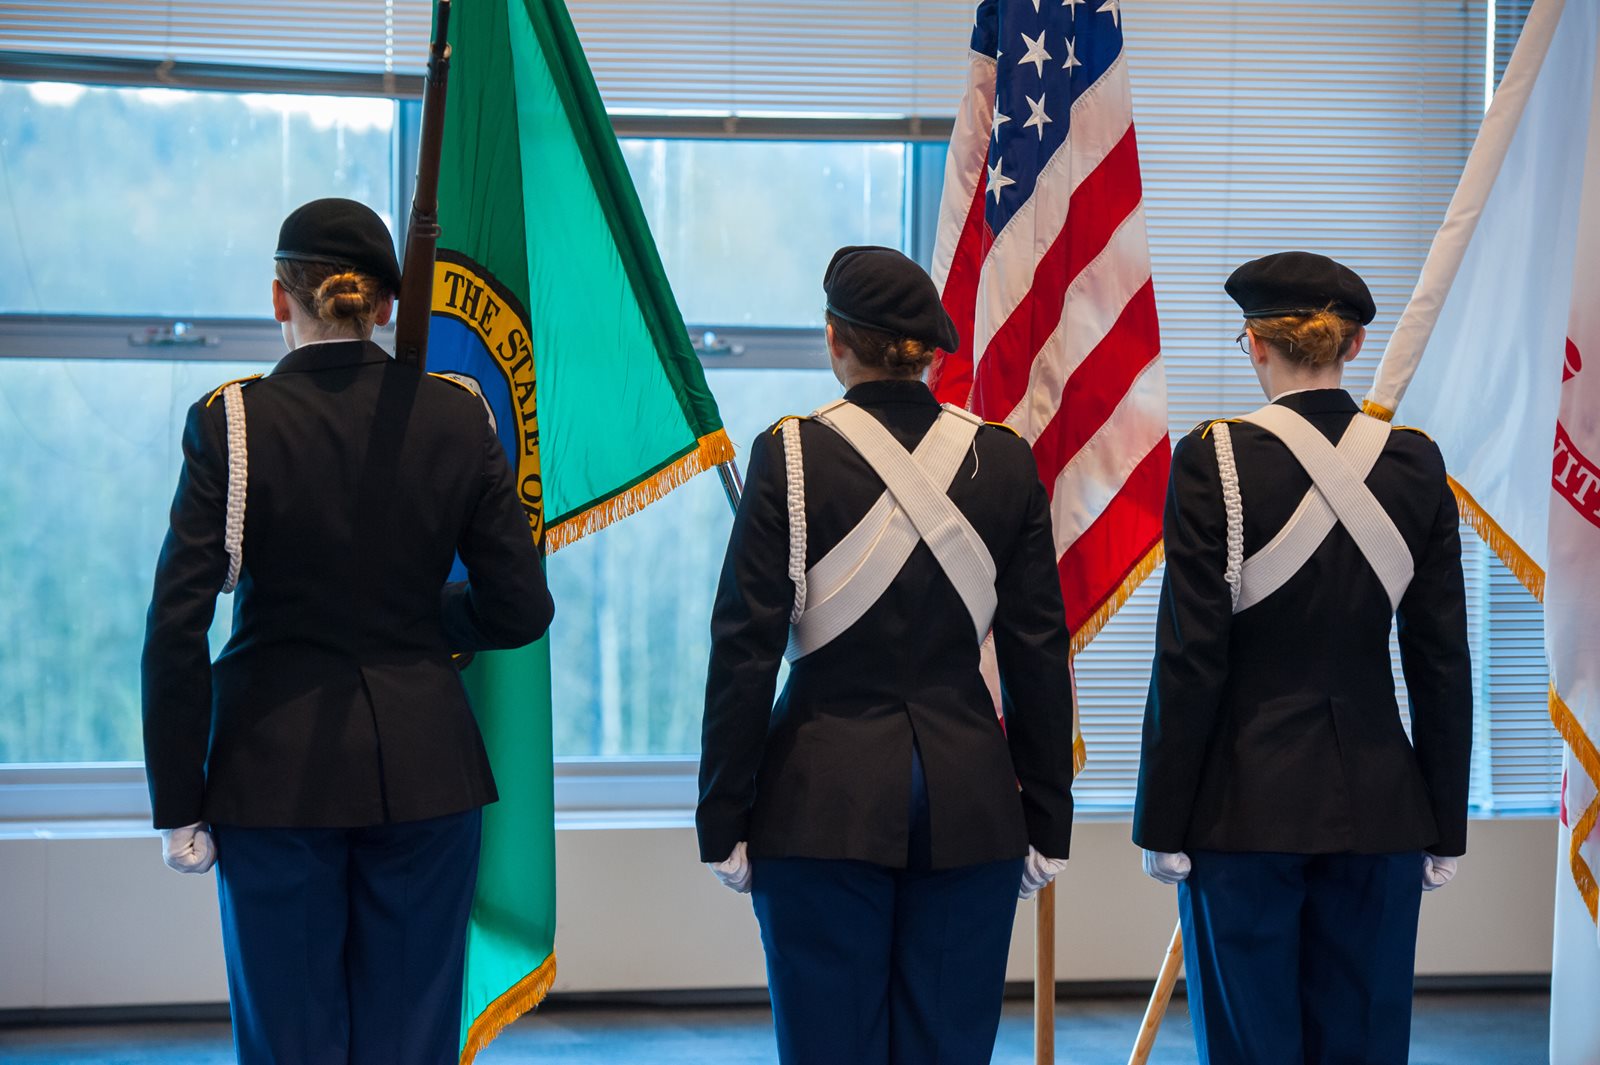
[
  {"x": 1572, "y": 623},
  {"x": 1490, "y": 355}
]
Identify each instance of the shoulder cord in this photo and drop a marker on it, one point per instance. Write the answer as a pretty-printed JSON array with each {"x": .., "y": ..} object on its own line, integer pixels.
[
  {"x": 797, "y": 515},
  {"x": 238, "y": 478},
  {"x": 1233, "y": 506}
]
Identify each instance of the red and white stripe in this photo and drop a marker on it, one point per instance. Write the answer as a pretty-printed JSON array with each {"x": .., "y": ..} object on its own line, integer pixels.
[{"x": 1058, "y": 329}]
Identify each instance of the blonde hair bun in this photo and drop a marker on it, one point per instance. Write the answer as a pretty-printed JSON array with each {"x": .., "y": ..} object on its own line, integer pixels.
[
  {"x": 343, "y": 297},
  {"x": 1314, "y": 340}
]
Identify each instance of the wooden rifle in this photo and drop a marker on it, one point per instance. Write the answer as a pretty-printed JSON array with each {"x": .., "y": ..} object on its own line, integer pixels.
[{"x": 422, "y": 234}]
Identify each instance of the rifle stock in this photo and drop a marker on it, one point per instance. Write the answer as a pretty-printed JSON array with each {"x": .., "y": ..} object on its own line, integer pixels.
[{"x": 422, "y": 233}]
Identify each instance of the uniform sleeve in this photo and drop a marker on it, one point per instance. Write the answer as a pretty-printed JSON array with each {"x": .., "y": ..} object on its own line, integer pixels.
[
  {"x": 1432, "y": 627},
  {"x": 504, "y": 602},
  {"x": 176, "y": 664},
  {"x": 749, "y": 630},
  {"x": 1033, "y": 652},
  {"x": 1191, "y": 659}
]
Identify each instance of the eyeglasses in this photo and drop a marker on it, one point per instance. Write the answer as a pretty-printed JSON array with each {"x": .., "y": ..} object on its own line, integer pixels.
[{"x": 1244, "y": 340}]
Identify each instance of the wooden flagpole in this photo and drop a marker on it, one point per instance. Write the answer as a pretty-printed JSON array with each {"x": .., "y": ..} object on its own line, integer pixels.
[
  {"x": 1044, "y": 976},
  {"x": 1160, "y": 998}
]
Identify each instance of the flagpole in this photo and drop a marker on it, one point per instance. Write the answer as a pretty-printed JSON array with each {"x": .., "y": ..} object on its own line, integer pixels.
[
  {"x": 732, "y": 483},
  {"x": 1044, "y": 976},
  {"x": 1160, "y": 997}
]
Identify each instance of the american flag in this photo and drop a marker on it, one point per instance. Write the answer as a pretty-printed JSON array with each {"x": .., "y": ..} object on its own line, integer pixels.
[{"x": 1042, "y": 259}]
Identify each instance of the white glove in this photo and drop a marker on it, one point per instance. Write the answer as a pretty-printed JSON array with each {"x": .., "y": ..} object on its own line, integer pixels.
[
  {"x": 189, "y": 849},
  {"x": 1167, "y": 868},
  {"x": 734, "y": 870},
  {"x": 1037, "y": 871},
  {"x": 1436, "y": 871}
]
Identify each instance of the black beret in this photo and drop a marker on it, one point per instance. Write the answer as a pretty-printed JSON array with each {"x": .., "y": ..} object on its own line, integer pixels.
[
  {"x": 880, "y": 288},
  {"x": 340, "y": 233},
  {"x": 1300, "y": 282}
]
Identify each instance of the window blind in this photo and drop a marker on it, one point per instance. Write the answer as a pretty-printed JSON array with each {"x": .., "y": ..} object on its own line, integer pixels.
[
  {"x": 1263, "y": 125},
  {"x": 1342, "y": 129},
  {"x": 1523, "y": 752},
  {"x": 855, "y": 58},
  {"x": 366, "y": 36},
  {"x": 831, "y": 57},
  {"x": 1509, "y": 15}
]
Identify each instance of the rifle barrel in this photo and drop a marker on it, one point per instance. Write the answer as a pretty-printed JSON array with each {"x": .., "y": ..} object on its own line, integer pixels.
[{"x": 422, "y": 233}]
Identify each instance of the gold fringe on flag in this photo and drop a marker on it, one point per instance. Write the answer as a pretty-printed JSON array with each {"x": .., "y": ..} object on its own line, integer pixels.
[
  {"x": 522, "y": 996},
  {"x": 1097, "y": 621},
  {"x": 1511, "y": 553},
  {"x": 1583, "y": 749},
  {"x": 1108, "y": 609},
  {"x": 1500, "y": 542},
  {"x": 713, "y": 450}
]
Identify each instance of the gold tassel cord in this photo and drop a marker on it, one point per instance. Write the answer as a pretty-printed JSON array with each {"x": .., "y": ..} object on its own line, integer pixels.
[
  {"x": 1583, "y": 749},
  {"x": 714, "y": 449},
  {"x": 1376, "y": 410},
  {"x": 1500, "y": 542},
  {"x": 1114, "y": 602},
  {"x": 524, "y": 995},
  {"x": 1097, "y": 621}
]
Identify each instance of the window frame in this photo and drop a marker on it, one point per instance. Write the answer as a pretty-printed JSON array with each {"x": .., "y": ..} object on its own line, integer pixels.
[{"x": 590, "y": 792}]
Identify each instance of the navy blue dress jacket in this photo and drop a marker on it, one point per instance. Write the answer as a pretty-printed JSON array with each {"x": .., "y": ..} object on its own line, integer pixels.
[
  {"x": 826, "y": 772},
  {"x": 335, "y": 702},
  {"x": 1276, "y": 729}
]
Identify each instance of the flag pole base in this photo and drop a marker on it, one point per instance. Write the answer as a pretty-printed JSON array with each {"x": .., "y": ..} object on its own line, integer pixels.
[
  {"x": 1160, "y": 998},
  {"x": 1044, "y": 976}
]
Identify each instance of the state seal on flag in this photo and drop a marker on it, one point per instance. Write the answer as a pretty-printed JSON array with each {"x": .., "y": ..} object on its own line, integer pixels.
[{"x": 479, "y": 338}]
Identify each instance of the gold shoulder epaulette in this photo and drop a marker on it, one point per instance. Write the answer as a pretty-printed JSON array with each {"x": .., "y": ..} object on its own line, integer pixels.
[
  {"x": 1414, "y": 429},
  {"x": 788, "y": 418},
  {"x": 1204, "y": 428},
  {"x": 1003, "y": 425},
  {"x": 451, "y": 380},
  {"x": 236, "y": 381}
]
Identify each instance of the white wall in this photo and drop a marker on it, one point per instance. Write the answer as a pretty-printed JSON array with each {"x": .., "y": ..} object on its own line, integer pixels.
[{"x": 92, "y": 918}]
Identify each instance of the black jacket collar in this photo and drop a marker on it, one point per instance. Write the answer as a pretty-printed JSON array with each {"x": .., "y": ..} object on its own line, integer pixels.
[
  {"x": 875, "y": 393},
  {"x": 330, "y": 355},
  {"x": 1320, "y": 401}
]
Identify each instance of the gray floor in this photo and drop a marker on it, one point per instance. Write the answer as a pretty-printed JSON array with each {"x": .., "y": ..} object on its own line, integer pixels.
[{"x": 1450, "y": 1029}]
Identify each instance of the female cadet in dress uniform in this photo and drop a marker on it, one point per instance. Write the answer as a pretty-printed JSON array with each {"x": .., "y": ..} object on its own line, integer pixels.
[
  {"x": 880, "y": 812},
  {"x": 330, "y": 753},
  {"x": 1277, "y": 786}
]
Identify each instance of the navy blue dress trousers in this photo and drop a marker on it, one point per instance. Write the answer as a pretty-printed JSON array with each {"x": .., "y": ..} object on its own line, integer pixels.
[
  {"x": 346, "y": 946},
  {"x": 874, "y": 965},
  {"x": 1301, "y": 959}
]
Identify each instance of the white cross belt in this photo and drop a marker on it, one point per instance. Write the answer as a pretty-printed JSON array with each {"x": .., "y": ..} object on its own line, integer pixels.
[{"x": 914, "y": 509}]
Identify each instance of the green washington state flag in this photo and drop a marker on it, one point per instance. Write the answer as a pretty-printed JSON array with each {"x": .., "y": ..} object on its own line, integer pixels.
[{"x": 549, "y": 301}]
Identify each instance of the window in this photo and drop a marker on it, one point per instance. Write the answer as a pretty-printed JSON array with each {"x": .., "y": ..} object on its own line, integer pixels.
[
  {"x": 92, "y": 443},
  {"x": 1262, "y": 125},
  {"x": 745, "y": 227},
  {"x": 629, "y": 656},
  {"x": 152, "y": 201},
  {"x": 1363, "y": 171},
  {"x": 1224, "y": 183},
  {"x": 92, "y": 455}
]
